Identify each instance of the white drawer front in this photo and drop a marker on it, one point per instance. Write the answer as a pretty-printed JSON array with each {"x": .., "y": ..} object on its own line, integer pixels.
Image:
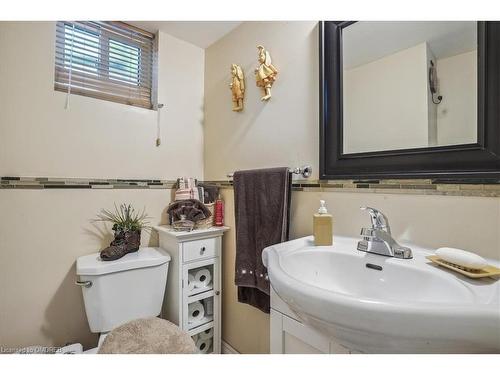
[{"x": 200, "y": 249}]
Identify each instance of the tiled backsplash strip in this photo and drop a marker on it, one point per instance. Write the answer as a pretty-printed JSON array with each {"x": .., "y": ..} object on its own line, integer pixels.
[
  {"x": 414, "y": 186},
  {"x": 81, "y": 183}
]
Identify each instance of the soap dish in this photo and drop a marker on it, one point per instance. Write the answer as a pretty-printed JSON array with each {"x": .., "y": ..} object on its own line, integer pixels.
[{"x": 487, "y": 271}]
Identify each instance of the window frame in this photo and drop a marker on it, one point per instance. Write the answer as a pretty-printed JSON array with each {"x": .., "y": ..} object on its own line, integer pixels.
[{"x": 103, "y": 76}]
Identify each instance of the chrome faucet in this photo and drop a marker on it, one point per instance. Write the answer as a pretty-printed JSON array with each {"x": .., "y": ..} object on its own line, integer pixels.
[{"x": 378, "y": 239}]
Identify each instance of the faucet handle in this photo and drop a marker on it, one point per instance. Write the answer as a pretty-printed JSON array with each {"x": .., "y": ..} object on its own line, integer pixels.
[{"x": 378, "y": 219}]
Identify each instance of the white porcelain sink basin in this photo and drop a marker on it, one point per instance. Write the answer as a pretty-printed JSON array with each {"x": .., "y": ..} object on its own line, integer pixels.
[{"x": 377, "y": 304}]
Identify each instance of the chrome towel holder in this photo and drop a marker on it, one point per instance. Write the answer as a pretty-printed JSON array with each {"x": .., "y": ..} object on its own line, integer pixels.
[{"x": 305, "y": 171}]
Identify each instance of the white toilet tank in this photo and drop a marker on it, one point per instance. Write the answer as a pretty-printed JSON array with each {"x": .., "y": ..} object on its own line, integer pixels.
[{"x": 118, "y": 291}]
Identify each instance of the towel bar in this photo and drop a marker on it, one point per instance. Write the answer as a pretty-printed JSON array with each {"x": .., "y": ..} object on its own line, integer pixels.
[{"x": 305, "y": 171}]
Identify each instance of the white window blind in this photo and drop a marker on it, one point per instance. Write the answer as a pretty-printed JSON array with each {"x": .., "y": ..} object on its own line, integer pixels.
[{"x": 105, "y": 60}]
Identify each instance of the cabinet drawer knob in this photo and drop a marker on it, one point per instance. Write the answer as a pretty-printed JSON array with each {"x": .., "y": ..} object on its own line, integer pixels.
[
  {"x": 202, "y": 250},
  {"x": 217, "y": 293}
]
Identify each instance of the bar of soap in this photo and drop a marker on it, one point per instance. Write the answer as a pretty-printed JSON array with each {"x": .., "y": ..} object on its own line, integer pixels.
[{"x": 461, "y": 257}]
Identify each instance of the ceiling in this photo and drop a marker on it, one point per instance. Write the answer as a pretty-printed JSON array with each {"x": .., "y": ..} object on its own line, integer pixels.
[
  {"x": 199, "y": 33},
  {"x": 368, "y": 41}
]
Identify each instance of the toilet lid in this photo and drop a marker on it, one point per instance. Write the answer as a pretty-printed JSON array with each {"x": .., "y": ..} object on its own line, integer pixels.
[{"x": 145, "y": 257}]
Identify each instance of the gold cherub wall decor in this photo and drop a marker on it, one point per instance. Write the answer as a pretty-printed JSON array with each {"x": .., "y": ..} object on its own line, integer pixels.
[
  {"x": 266, "y": 73},
  {"x": 237, "y": 87}
]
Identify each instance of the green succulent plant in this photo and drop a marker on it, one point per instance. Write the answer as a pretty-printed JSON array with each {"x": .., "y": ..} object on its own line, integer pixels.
[{"x": 125, "y": 218}]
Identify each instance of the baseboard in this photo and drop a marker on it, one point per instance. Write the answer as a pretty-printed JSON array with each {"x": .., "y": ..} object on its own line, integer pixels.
[{"x": 228, "y": 349}]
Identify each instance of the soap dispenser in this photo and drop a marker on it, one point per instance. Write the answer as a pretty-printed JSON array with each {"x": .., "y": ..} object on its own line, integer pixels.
[{"x": 323, "y": 226}]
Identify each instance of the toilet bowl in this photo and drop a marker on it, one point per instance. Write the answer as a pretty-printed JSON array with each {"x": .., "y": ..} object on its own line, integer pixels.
[{"x": 116, "y": 292}]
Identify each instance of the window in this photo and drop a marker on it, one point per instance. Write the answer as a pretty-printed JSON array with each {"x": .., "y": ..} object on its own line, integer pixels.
[{"x": 105, "y": 60}]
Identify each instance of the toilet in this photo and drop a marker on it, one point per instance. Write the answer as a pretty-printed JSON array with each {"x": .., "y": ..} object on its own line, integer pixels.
[{"x": 116, "y": 292}]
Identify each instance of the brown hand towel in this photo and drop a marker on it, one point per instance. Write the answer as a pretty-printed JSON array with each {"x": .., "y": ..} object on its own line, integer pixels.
[{"x": 261, "y": 205}]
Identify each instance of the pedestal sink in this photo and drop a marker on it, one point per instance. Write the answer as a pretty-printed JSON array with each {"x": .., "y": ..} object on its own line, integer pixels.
[{"x": 376, "y": 304}]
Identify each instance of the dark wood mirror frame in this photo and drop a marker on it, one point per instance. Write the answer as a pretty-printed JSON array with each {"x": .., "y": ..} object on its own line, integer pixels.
[{"x": 467, "y": 162}]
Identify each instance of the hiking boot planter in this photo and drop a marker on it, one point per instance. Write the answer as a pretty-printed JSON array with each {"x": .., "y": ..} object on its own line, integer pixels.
[
  {"x": 127, "y": 226},
  {"x": 125, "y": 242}
]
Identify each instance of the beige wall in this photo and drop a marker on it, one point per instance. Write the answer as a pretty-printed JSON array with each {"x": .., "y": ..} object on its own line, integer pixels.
[
  {"x": 389, "y": 95},
  {"x": 432, "y": 221},
  {"x": 432, "y": 113},
  {"x": 243, "y": 327},
  {"x": 280, "y": 132},
  {"x": 247, "y": 329},
  {"x": 42, "y": 232},
  {"x": 457, "y": 113},
  {"x": 95, "y": 138},
  {"x": 285, "y": 132}
]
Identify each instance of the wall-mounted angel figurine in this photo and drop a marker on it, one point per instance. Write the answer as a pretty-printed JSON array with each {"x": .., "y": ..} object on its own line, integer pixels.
[
  {"x": 265, "y": 75},
  {"x": 237, "y": 87}
]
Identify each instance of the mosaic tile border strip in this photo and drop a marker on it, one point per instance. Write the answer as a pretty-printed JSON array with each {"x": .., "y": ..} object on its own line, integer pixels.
[
  {"x": 476, "y": 188},
  {"x": 82, "y": 183},
  {"x": 411, "y": 186}
]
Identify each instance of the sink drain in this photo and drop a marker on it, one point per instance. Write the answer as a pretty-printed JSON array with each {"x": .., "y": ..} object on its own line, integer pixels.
[{"x": 374, "y": 266}]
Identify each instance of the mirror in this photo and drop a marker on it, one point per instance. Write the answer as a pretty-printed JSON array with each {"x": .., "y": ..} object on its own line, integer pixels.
[
  {"x": 409, "y": 100},
  {"x": 408, "y": 85}
]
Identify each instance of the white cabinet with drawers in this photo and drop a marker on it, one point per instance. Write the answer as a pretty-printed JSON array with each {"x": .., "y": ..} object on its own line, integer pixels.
[{"x": 193, "y": 293}]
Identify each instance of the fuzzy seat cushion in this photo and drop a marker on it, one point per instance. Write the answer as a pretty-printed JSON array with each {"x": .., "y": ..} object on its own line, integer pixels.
[{"x": 147, "y": 336}]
